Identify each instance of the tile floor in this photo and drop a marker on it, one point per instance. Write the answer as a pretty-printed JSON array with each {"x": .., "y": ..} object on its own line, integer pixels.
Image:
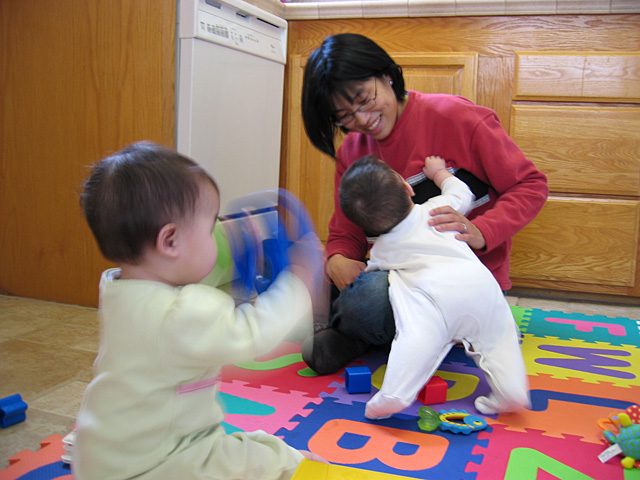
[{"x": 47, "y": 349}]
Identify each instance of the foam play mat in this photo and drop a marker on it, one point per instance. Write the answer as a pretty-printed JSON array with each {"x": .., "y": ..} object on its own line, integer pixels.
[{"x": 582, "y": 370}]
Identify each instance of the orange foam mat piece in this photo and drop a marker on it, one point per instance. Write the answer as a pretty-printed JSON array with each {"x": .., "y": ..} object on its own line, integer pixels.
[{"x": 51, "y": 450}]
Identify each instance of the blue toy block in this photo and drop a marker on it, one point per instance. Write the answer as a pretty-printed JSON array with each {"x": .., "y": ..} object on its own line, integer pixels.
[
  {"x": 358, "y": 379},
  {"x": 12, "y": 410}
]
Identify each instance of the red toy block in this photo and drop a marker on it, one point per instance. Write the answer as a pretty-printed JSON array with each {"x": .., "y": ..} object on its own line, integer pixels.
[{"x": 435, "y": 391}]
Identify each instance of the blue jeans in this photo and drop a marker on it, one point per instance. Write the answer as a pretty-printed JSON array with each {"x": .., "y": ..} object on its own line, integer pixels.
[{"x": 362, "y": 309}]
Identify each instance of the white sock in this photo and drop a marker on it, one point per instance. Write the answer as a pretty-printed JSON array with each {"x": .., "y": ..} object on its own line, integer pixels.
[{"x": 487, "y": 405}]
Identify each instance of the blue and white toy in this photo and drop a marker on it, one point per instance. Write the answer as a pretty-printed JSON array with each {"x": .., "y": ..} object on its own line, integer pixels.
[{"x": 254, "y": 241}]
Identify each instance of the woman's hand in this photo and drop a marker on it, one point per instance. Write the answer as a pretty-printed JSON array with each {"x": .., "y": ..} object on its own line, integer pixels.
[
  {"x": 343, "y": 270},
  {"x": 447, "y": 219}
]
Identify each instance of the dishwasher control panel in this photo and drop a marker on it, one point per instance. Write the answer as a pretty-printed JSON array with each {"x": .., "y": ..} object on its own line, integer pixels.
[{"x": 235, "y": 25}]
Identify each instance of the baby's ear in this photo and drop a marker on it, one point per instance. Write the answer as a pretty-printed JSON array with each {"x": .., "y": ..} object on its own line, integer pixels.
[
  {"x": 409, "y": 189},
  {"x": 167, "y": 240}
]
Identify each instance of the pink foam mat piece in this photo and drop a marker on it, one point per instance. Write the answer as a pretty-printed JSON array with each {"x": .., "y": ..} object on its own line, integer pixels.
[{"x": 286, "y": 405}]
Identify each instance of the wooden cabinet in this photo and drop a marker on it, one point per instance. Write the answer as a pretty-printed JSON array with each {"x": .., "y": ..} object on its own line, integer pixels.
[
  {"x": 307, "y": 172},
  {"x": 78, "y": 80},
  {"x": 567, "y": 89},
  {"x": 558, "y": 83},
  {"x": 568, "y": 117}
]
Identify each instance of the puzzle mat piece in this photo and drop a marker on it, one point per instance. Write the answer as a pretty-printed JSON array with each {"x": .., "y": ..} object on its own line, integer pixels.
[
  {"x": 591, "y": 362},
  {"x": 43, "y": 464},
  {"x": 558, "y": 406},
  {"x": 521, "y": 316},
  {"x": 576, "y": 386},
  {"x": 456, "y": 362},
  {"x": 590, "y": 328},
  {"x": 321, "y": 471},
  {"x": 282, "y": 369},
  {"x": 456, "y": 355},
  {"x": 371, "y": 360},
  {"x": 462, "y": 390},
  {"x": 342, "y": 435},
  {"x": 632, "y": 474},
  {"x": 560, "y": 420},
  {"x": 515, "y": 455},
  {"x": 465, "y": 382},
  {"x": 262, "y": 408},
  {"x": 568, "y": 406}
]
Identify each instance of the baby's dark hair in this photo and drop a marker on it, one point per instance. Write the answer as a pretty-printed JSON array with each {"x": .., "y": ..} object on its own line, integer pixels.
[
  {"x": 130, "y": 195},
  {"x": 373, "y": 196}
]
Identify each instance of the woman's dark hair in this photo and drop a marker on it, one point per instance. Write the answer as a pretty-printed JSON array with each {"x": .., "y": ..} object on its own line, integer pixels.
[
  {"x": 331, "y": 68},
  {"x": 130, "y": 195},
  {"x": 373, "y": 196}
]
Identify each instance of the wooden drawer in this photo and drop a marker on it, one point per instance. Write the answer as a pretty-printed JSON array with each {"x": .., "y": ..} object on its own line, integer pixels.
[
  {"x": 583, "y": 149},
  {"x": 589, "y": 241},
  {"x": 578, "y": 76}
]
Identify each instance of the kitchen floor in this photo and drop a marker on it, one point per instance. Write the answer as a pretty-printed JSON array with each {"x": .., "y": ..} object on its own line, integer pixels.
[{"x": 47, "y": 349}]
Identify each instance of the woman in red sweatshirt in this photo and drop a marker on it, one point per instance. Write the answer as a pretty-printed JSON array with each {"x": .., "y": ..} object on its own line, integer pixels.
[{"x": 352, "y": 84}]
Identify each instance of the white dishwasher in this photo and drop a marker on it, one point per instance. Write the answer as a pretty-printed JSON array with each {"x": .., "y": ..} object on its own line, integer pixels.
[{"x": 231, "y": 58}]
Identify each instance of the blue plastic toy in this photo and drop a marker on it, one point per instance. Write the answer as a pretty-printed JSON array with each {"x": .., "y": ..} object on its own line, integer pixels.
[
  {"x": 259, "y": 232},
  {"x": 358, "y": 379},
  {"x": 12, "y": 410},
  {"x": 459, "y": 421},
  {"x": 456, "y": 421}
]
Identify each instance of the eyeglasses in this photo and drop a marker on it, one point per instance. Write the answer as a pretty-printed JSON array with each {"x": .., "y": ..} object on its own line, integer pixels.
[{"x": 366, "y": 106}]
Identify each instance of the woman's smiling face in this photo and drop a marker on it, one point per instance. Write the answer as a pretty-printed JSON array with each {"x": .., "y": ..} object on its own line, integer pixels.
[{"x": 372, "y": 108}]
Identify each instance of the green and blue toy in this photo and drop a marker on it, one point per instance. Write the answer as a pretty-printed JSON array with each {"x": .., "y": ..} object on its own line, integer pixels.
[
  {"x": 626, "y": 439},
  {"x": 455, "y": 421}
]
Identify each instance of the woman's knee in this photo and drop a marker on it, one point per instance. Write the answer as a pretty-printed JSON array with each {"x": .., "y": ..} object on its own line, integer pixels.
[{"x": 364, "y": 309}]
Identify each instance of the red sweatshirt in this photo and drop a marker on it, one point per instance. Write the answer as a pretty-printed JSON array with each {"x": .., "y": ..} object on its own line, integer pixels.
[{"x": 467, "y": 136}]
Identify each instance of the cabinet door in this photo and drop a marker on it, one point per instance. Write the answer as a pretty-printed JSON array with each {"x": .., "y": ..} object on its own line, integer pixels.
[
  {"x": 591, "y": 241},
  {"x": 309, "y": 174},
  {"x": 581, "y": 134},
  {"x": 78, "y": 80}
]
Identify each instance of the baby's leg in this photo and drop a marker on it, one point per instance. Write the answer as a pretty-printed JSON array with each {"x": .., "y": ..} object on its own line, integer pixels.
[
  {"x": 506, "y": 375},
  {"x": 416, "y": 353},
  {"x": 411, "y": 364},
  {"x": 250, "y": 455}
]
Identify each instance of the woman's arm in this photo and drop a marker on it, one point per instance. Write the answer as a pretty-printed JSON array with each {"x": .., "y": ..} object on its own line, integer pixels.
[
  {"x": 347, "y": 244},
  {"x": 521, "y": 189}
]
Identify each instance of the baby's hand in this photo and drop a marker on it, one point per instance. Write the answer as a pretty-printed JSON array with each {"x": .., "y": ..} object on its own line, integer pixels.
[
  {"x": 305, "y": 258},
  {"x": 314, "y": 457},
  {"x": 433, "y": 165}
]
